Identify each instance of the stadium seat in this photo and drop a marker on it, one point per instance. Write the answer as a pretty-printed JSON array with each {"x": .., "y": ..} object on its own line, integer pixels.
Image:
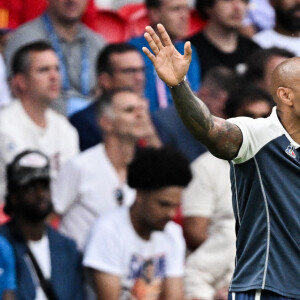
[{"x": 110, "y": 25}]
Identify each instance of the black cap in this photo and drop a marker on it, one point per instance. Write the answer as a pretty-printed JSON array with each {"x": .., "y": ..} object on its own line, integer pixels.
[{"x": 26, "y": 167}]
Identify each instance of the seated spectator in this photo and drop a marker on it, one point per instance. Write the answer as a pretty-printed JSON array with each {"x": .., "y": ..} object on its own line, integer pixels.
[
  {"x": 138, "y": 252},
  {"x": 29, "y": 123},
  {"x": 261, "y": 64},
  {"x": 8, "y": 270},
  {"x": 286, "y": 33},
  {"x": 214, "y": 91},
  {"x": 260, "y": 16},
  {"x": 118, "y": 66},
  {"x": 174, "y": 15},
  {"x": 76, "y": 47},
  {"x": 98, "y": 175},
  {"x": 48, "y": 264},
  {"x": 208, "y": 222},
  {"x": 220, "y": 42}
]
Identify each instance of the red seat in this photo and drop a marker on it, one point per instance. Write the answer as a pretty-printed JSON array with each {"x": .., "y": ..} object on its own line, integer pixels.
[
  {"x": 3, "y": 217},
  {"x": 131, "y": 10},
  {"x": 196, "y": 23},
  {"x": 138, "y": 20},
  {"x": 110, "y": 25}
]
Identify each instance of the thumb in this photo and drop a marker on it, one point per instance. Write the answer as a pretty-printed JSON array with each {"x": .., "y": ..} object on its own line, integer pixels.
[{"x": 188, "y": 51}]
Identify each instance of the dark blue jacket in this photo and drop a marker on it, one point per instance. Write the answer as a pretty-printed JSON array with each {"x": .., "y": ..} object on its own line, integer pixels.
[{"x": 66, "y": 267}]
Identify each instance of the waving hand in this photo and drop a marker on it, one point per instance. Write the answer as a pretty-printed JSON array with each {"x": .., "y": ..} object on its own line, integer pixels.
[{"x": 169, "y": 64}]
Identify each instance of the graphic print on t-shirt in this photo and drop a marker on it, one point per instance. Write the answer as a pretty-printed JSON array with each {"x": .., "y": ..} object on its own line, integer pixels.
[{"x": 147, "y": 275}]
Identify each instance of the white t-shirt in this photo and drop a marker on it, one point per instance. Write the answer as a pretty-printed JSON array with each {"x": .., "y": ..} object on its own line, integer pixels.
[
  {"x": 59, "y": 140},
  {"x": 209, "y": 195},
  {"x": 270, "y": 38},
  {"x": 115, "y": 248},
  {"x": 41, "y": 251},
  {"x": 84, "y": 189}
]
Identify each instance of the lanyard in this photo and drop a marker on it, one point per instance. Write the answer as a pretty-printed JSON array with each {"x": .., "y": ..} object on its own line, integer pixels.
[{"x": 85, "y": 63}]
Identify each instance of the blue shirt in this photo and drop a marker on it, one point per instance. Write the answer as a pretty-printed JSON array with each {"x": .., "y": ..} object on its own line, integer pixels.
[
  {"x": 266, "y": 200},
  {"x": 7, "y": 266},
  {"x": 193, "y": 75}
]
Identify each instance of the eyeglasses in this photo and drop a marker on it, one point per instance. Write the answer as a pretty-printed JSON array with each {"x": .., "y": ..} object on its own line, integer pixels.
[
  {"x": 119, "y": 196},
  {"x": 130, "y": 71}
]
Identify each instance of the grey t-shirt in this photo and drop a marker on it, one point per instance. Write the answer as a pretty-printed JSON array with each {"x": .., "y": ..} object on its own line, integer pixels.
[{"x": 36, "y": 30}]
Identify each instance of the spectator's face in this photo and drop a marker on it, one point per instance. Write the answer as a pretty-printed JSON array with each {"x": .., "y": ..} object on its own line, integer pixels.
[
  {"x": 174, "y": 15},
  {"x": 67, "y": 11},
  {"x": 33, "y": 201},
  {"x": 258, "y": 109},
  {"x": 228, "y": 13},
  {"x": 42, "y": 81},
  {"x": 288, "y": 14},
  {"x": 129, "y": 116},
  {"x": 160, "y": 206},
  {"x": 128, "y": 71}
]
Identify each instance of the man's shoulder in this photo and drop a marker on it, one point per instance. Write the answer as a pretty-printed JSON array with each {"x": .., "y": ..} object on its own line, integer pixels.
[
  {"x": 61, "y": 241},
  {"x": 93, "y": 37},
  {"x": 7, "y": 113},
  {"x": 86, "y": 158}
]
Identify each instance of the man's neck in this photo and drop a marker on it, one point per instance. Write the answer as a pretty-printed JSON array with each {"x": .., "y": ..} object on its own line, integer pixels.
[
  {"x": 36, "y": 111},
  {"x": 291, "y": 124},
  {"x": 31, "y": 231},
  {"x": 137, "y": 224},
  {"x": 223, "y": 38},
  {"x": 285, "y": 32},
  {"x": 66, "y": 30},
  {"x": 120, "y": 154}
]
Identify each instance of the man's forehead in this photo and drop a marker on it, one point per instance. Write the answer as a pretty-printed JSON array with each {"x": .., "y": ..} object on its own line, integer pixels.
[
  {"x": 127, "y": 59},
  {"x": 126, "y": 99}
]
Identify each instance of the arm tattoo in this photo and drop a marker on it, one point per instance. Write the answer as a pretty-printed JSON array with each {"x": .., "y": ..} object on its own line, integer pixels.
[{"x": 222, "y": 138}]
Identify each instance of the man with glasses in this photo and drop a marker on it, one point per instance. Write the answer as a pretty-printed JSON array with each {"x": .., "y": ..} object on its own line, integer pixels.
[
  {"x": 118, "y": 66},
  {"x": 95, "y": 181}
]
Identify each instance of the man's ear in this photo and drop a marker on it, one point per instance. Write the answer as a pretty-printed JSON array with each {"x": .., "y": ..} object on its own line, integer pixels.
[
  {"x": 19, "y": 82},
  {"x": 285, "y": 95},
  {"x": 105, "y": 123},
  {"x": 105, "y": 81},
  {"x": 154, "y": 16}
]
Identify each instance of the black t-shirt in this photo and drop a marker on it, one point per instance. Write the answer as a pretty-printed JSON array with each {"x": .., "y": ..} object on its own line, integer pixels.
[{"x": 211, "y": 56}]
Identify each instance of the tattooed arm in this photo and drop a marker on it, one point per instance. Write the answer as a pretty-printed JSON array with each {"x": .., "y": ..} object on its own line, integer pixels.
[{"x": 222, "y": 138}]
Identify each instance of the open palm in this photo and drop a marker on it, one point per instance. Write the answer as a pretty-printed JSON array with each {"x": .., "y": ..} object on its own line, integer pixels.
[{"x": 169, "y": 64}]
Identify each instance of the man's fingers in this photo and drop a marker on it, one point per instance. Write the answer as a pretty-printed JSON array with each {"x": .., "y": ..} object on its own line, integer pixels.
[
  {"x": 188, "y": 50},
  {"x": 151, "y": 43},
  {"x": 149, "y": 54},
  {"x": 154, "y": 37},
  {"x": 164, "y": 35}
]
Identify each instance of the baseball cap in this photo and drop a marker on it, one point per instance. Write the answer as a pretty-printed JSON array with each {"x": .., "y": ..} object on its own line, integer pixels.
[{"x": 27, "y": 166}]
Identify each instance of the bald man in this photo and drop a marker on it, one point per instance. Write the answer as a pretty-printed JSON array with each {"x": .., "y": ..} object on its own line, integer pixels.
[{"x": 265, "y": 169}]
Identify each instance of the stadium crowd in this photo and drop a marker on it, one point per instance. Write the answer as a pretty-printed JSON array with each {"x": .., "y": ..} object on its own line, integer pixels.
[{"x": 104, "y": 193}]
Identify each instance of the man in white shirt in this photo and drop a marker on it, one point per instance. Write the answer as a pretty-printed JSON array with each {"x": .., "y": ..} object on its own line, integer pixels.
[
  {"x": 138, "y": 252},
  {"x": 286, "y": 33},
  {"x": 95, "y": 180},
  {"x": 29, "y": 123}
]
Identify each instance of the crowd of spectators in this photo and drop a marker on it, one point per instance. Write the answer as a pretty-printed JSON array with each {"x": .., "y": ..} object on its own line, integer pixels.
[{"x": 89, "y": 138}]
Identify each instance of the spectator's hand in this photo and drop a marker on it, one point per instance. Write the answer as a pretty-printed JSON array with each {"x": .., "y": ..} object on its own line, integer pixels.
[{"x": 169, "y": 64}]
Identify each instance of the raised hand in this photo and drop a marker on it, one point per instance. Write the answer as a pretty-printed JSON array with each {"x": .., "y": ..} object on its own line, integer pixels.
[{"x": 169, "y": 64}]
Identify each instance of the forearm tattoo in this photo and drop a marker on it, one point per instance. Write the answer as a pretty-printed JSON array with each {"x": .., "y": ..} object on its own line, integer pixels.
[{"x": 222, "y": 138}]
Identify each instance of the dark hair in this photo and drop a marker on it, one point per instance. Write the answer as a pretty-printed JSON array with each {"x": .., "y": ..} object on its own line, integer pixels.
[
  {"x": 256, "y": 63},
  {"x": 153, "y": 3},
  {"x": 103, "y": 61},
  {"x": 203, "y": 5},
  {"x": 152, "y": 169},
  {"x": 20, "y": 61},
  {"x": 221, "y": 78},
  {"x": 245, "y": 95},
  {"x": 105, "y": 100}
]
